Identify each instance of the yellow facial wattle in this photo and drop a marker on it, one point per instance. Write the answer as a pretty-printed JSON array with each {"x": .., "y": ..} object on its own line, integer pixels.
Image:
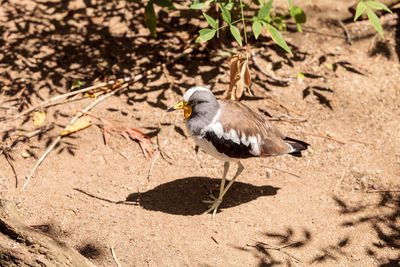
[{"x": 187, "y": 109}]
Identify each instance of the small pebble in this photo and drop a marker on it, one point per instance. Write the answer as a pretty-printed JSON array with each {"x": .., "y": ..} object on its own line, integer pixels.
[
  {"x": 375, "y": 186},
  {"x": 357, "y": 187}
]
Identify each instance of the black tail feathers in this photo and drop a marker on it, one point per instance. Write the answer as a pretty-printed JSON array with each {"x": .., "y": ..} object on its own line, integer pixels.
[{"x": 297, "y": 146}]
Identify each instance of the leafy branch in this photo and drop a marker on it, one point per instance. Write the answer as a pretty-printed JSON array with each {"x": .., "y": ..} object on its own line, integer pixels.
[{"x": 366, "y": 7}]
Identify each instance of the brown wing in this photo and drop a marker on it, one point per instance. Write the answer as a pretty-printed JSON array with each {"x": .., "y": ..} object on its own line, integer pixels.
[{"x": 247, "y": 123}]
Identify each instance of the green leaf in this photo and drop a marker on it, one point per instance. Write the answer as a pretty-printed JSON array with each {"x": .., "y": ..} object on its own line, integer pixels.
[
  {"x": 228, "y": 6},
  {"x": 197, "y": 4},
  {"x": 299, "y": 28},
  {"x": 377, "y": 5},
  {"x": 360, "y": 9},
  {"x": 76, "y": 84},
  {"x": 256, "y": 28},
  {"x": 226, "y": 16},
  {"x": 264, "y": 10},
  {"x": 236, "y": 33},
  {"x": 277, "y": 37},
  {"x": 298, "y": 14},
  {"x": 205, "y": 35},
  {"x": 150, "y": 19},
  {"x": 211, "y": 21},
  {"x": 165, "y": 3},
  {"x": 374, "y": 20},
  {"x": 289, "y": 3}
]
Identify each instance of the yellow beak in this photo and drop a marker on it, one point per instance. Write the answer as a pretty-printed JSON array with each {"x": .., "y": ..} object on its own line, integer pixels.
[{"x": 187, "y": 109}]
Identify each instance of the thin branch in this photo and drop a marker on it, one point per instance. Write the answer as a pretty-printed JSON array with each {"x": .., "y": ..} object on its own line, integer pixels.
[
  {"x": 280, "y": 249},
  {"x": 125, "y": 80},
  {"x": 276, "y": 103},
  {"x": 8, "y": 158},
  {"x": 295, "y": 175},
  {"x": 346, "y": 32},
  {"x": 115, "y": 257},
  {"x": 326, "y": 137},
  {"x": 152, "y": 165},
  {"x": 138, "y": 77},
  {"x": 287, "y": 118},
  {"x": 255, "y": 61}
]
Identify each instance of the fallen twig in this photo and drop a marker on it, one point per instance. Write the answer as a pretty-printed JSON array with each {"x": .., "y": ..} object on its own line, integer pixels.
[
  {"x": 273, "y": 101},
  {"x": 361, "y": 142},
  {"x": 8, "y": 158},
  {"x": 160, "y": 151},
  {"x": 105, "y": 199},
  {"x": 115, "y": 257},
  {"x": 255, "y": 61},
  {"x": 326, "y": 137},
  {"x": 152, "y": 165},
  {"x": 8, "y": 107},
  {"x": 215, "y": 240},
  {"x": 125, "y": 80},
  {"x": 280, "y": 249},
  {"x": 346, "y": 32},
  {"x": 287, "y": 118},
  {"x": 34, "y": 133},
  {"x": 274, "y": 168},
  {"x": 138, "y": 77}
]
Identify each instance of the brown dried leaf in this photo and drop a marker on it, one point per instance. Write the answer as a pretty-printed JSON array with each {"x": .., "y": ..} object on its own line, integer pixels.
[
  {"x": 128, "y": 133},
  {"x": 81, "y": 123},
  {"x": 240, "y": 76}
]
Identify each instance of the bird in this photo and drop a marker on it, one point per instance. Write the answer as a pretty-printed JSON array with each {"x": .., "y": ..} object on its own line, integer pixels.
[{"x": 231, "y": 131}]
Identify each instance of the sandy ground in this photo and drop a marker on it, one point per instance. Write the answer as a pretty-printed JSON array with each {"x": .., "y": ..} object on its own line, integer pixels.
[{"x": 338, "y": 205}]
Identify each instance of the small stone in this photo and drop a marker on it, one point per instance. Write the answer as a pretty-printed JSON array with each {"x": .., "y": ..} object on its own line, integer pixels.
[
  {"x": 268, "y": 173},
  {"x": 375, "y": 186},
  {"x": 364, "y": 178},
  {"x": 357, "y": 187}
]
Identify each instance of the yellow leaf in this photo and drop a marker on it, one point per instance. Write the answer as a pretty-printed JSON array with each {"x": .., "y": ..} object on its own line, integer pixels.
[
  {"x": 26, "y": 153},
  {"x": 38, "y": 118},
  {"x": 329, "y": 66},
  {"x": 79, "y": 124},
  {"x": 300, "y": 77}
]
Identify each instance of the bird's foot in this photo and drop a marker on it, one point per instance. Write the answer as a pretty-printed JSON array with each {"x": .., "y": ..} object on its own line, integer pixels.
[
  {"x": 215, "y": 202},
  {"x": 211, "y": 201}
]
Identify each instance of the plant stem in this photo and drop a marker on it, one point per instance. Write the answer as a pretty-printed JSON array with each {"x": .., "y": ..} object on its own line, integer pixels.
[{"x": 244, "y": 24}]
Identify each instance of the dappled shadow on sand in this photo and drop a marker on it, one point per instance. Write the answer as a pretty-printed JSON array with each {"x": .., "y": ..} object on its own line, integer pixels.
[
  {"x": 184, "y": 196},
  {"x": 382, "y": 217}
]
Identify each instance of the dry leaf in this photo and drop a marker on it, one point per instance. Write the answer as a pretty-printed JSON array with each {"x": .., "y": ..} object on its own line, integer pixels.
[
  {"x": 79, "y": 124},
  {"x": 128, "y": 133},
  {"x": 26, "y": 153},
  {"x": 240, "y": 76},
  {"x": 38, "y": 118}
]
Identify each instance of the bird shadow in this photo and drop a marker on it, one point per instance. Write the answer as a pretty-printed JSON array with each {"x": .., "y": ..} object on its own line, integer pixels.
[{"x": 184, "y": 196}]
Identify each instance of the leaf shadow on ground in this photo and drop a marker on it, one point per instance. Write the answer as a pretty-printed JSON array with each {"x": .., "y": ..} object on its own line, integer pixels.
[
  {"x": 382, "y": 217},
  {"x": 184, "y": 196},
  {"x": 47, "y": 45}
]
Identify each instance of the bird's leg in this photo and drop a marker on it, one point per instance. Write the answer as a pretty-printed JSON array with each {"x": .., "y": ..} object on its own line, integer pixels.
[
  {"x": 238, "y": 172},
  {"x": 222, "y": 190},
  {"x": 216, "y": 201}
]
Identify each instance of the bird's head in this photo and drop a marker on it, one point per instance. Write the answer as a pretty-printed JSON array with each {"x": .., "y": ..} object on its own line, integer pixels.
[{"x": 190, "y": 99}]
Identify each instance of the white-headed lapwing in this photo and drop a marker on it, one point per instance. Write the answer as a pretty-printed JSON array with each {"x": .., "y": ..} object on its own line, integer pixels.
[{"x": 231, "y": 131}]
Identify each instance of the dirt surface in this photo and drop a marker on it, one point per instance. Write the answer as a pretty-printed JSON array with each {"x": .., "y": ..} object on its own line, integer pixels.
[{"x": 338, "y": 205}]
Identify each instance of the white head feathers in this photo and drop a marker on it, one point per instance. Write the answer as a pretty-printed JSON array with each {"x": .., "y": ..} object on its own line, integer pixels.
[{"x": 192, "y": 90}]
